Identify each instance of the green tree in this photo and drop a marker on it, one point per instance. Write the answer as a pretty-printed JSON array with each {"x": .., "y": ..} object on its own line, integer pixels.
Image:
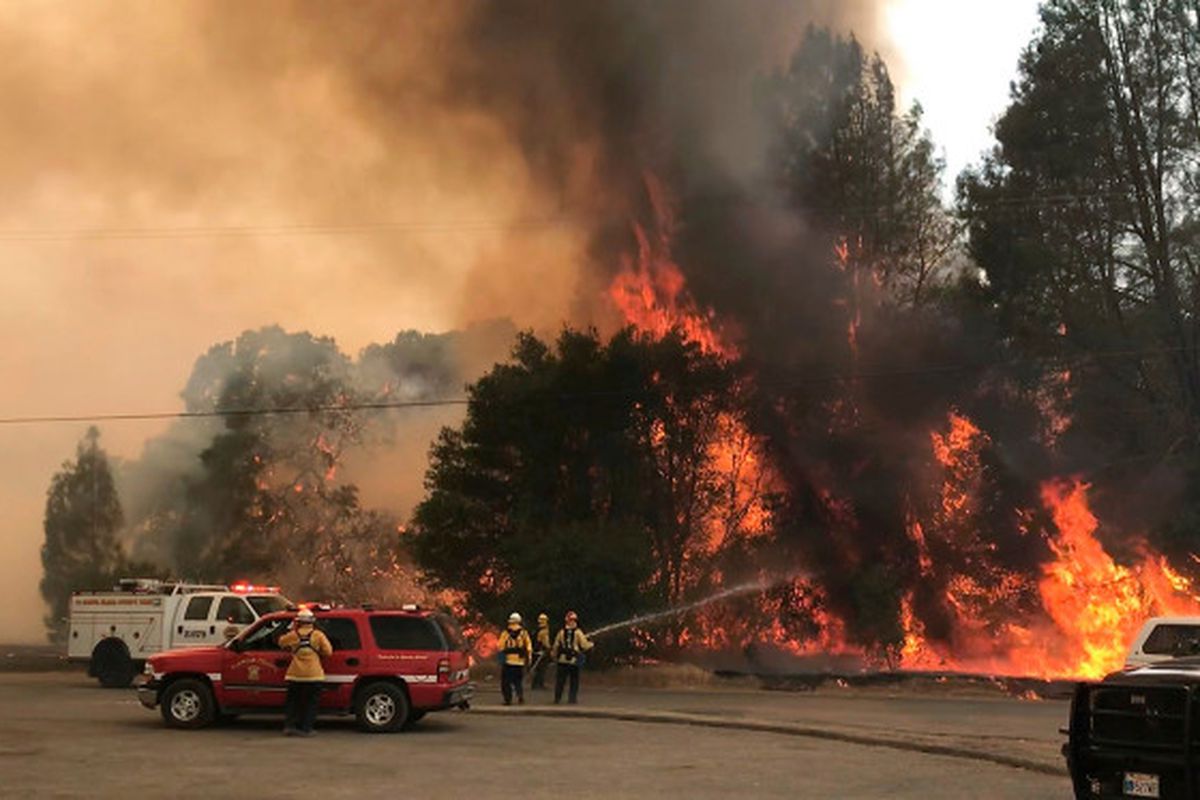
[
  {"x": 1085, "y": 221},
  {"x": 583, "y": 476},
  {"x": 852, "y": 162},
  {"x": 83, "y": 516}
]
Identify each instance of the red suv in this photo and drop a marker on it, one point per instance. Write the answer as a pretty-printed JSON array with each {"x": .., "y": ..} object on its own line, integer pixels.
[{"x": 389, "y": 668}]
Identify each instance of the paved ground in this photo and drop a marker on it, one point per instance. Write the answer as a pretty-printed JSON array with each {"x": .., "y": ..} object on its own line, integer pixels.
[
  {"x": 1021, "y": 730},
  {"x": 60, "y": 736}
]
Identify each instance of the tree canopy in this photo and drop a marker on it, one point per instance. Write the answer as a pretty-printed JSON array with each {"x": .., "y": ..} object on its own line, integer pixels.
[
  {"x": 83, "y": 516},
  {"x": 584, "y": 476}
]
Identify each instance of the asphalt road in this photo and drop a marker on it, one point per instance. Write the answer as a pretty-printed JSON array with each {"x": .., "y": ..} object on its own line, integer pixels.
[{"x": 61, "y": 736}]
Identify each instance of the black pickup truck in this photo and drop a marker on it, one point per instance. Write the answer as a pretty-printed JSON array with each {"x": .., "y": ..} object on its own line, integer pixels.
[{"x": 1137, "y": 733}]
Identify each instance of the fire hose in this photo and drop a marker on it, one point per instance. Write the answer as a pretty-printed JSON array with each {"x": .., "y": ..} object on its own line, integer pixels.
[{"x": 533, "y": 667}]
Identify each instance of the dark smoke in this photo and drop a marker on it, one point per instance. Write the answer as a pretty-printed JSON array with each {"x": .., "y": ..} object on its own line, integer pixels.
[{"x": 598, "y": 95}]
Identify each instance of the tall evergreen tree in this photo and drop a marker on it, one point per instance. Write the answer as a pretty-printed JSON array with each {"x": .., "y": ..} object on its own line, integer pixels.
[
  {"x": 1086, "y": 222},
  {"x": 83, "y": 516},
  {"x": 864, "y": 170}
]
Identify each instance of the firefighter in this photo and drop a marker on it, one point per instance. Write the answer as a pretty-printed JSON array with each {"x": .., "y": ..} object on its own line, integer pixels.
[
  {"x": 516, "y": 648},
  {"x": 541, "y": 652},
  {"x": 569, "y": 647},
  {"x": 305, "y": 674}
]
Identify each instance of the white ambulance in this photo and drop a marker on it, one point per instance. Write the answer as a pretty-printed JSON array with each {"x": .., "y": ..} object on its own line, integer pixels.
[{"x": 114, "y": 632}]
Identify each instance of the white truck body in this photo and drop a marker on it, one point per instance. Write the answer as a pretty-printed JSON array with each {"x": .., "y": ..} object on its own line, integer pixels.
[
  {"x": 142, "y": 617},
  {"x": 1162, "y": 639}
]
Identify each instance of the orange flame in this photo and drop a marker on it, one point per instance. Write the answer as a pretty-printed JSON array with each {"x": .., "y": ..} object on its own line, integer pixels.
[
  {"x": 1075, "y": 619},
  {"x": 1089, "y": 606},
  {"x": 650, "y": 289}
]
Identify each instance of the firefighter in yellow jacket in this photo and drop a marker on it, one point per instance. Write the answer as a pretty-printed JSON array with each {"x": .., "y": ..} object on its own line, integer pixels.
[
  {"x": 305, "y": 674},
  {"x": 541, "y": 652},
  {"x": 569, "y": 647},
  {"x": 516, "y": 648}
]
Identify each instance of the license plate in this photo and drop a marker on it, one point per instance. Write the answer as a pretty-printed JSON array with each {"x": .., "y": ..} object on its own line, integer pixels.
[{"x": 1139, "y": 784}]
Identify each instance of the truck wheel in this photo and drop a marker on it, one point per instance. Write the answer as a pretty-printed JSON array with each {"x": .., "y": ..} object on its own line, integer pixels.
[
  {"x": 187, "y": 703},
  {"x": 382, "y": 708},
  {"x": 112, "y": 665}
]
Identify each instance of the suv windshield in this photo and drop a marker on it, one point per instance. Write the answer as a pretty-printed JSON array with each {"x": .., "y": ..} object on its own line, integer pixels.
[
  {"x": 264, "y": 604},
  {"x": 1173, "y": 639},
  {"x": 263, "y": 636}
]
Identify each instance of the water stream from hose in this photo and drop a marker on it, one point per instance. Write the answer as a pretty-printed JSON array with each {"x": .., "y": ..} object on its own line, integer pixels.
[{"x": 675, "y": 611}]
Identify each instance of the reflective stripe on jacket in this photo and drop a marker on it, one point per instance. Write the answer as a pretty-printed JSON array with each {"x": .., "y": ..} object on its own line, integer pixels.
[
  {"x": 516, "y": 647},
  {"x": 569, "y": 643},
  {"x": 307, "y": 651}
]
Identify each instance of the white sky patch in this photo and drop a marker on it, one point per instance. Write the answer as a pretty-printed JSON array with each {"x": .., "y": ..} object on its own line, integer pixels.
[{"x": 958, "y": 59}]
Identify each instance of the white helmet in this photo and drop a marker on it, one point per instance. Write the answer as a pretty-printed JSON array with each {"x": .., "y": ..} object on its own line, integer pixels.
[
  {"x": 306, "y": 616},
  {"x": 514, "y": 617}
]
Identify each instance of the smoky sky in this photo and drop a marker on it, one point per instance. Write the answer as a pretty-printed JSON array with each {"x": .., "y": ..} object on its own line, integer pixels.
[{"x": 172, "y": 174}]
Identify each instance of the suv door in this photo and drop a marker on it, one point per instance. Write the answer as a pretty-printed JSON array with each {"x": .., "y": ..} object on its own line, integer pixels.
[
  {"x": 254, "y": 666},
  {"x": 345, "y": 664}
]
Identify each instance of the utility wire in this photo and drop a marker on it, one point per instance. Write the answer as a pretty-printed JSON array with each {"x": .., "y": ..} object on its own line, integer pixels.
[
  {"x": 231, "y": 412},
  {"x": 235, "y": 231},
  {"x": 18, "y": 235},
  {"x": 386, "y": 405}
]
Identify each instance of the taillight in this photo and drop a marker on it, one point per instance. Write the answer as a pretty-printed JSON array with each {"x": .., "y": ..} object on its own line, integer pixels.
[{"x": 443, "y": 673}]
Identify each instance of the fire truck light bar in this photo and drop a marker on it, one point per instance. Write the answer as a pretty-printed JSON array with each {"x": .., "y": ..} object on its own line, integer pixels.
[{"x": 242, "y": 587}]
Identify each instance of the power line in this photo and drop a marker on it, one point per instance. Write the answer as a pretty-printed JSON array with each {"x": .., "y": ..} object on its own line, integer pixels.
[
  {"x": 231, "y": 412},
  {"x": 32, "y": 235},
  {"x": 248, "y": 231},
  {"x": 793, "y": 383}
]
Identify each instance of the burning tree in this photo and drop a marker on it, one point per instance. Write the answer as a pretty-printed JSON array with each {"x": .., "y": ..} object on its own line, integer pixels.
[
  {"x": 257, "y": 492},
  {"x": 587, "y": 475}
]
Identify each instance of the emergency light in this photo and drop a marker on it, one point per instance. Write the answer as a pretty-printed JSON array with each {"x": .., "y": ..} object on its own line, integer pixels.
[{"x": 242, "y": 587}]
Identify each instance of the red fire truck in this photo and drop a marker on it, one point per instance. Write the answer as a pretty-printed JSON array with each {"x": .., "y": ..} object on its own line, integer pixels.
[{"x": 389, "y": 668}]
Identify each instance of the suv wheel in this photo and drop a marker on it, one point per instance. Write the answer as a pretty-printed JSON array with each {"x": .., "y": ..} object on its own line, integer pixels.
[
  {"x": 187, "y": 703},
  {"x": 382, "y": 708},
  {"x": 112, "y": 665}
]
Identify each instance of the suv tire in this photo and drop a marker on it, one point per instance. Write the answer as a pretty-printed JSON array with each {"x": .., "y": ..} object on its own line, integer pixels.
[
  {"x": 381, "y": 707},
  {"x": 112, "y": 665},
  {"x": 187, "y": 703}
]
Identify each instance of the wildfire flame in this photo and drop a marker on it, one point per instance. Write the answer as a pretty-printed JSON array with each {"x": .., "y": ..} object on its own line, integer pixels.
[
  {"x": 1075, "y": 619},
  {"x": 650, "y": 288}
]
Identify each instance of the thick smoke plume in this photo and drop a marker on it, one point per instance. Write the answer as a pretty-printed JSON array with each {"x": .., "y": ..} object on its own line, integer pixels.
[
  {"x": 610, "y": 101},
  {"x": 674, "y": 91},
  {"x": 183, "y": 172}
]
